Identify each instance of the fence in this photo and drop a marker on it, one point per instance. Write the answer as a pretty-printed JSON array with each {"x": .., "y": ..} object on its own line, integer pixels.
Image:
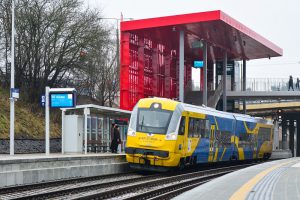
[
  {"x": 267, "y": 84},
  {"x": 255, "y": 84}
]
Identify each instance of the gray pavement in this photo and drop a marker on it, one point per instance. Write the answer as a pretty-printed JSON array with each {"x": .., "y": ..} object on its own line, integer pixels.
[{"x": 278, "y": 179}]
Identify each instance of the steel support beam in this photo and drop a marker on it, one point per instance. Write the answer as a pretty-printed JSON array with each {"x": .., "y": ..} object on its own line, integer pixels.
[
  {"x": 224, "y": 81},
  {"x": 86, "y": 113},
  {"x": 284, "y": 134},
  {"x": 63, "y": 114},
  {"x": 276, "y": 136},
  {"x": 204, "y": 73},
  {"x": 125, "y": 97},
  {"x": 141, "y": 66},
  {"x": 244, "y": 85},
  {"x": 12, "y": 84},
  {"x": 47, "y": 121},
  {"x": 181, "y": 66},
  {"x": 291, "y": 136},
  {"x": 298, "y": 138}
]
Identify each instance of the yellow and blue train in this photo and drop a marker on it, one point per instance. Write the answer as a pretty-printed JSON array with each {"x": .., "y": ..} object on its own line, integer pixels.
[{"x": 164, "y": 134}]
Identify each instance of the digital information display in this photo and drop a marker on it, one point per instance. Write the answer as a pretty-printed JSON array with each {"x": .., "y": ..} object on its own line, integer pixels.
[
  {"x": 62, "y": 100},
  {"x": 198, "y": 64}
]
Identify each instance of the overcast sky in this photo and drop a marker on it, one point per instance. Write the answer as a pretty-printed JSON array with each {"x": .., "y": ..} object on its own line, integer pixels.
[{"x": 276, "y": 20}]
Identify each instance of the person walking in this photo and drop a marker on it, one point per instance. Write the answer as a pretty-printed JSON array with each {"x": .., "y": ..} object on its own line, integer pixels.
[
  {"x": 291, "y": 83},
  {"x": 297, "y": 83},
  {"x": 116, "y": 139},
  {"x": 112, "y": 136}
]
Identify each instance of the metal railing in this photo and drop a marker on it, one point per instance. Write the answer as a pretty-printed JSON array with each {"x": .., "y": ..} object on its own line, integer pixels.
[
  {"x": 268, "y": 84},
  {"x": 254, "y": 84}
]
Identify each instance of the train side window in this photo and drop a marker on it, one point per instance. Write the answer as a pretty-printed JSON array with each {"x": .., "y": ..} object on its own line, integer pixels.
[
  {"x": 202, "y": 128},
  {"x": 191, "y": 127},
  {"x": 207, "y": 128},
  {"x": 181, "y": 126},
  {"x": 196, "y": 128},
  {"x": 197, "y": 132},
  {"x": 264, "y": 134}
]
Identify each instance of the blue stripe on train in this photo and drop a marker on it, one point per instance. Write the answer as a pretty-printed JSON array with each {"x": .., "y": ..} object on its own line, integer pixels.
[{"x": 202, "y": 149}]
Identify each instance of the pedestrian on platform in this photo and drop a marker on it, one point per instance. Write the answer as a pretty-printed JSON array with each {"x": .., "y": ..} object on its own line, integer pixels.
[
  {"x": 116, "y": 140},
  {"x": 291, "y": 83},
  {"x": 297, "y": 84},
  {"x": 112, "y": 136}
]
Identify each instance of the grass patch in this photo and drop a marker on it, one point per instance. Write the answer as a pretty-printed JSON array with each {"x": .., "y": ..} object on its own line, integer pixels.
[{"x": 28, "y": 123}]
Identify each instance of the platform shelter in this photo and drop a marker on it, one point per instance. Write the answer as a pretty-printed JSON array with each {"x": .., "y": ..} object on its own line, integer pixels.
[
  {"x": 88, "y": 128},
  {"x": 157, "y": 55}
]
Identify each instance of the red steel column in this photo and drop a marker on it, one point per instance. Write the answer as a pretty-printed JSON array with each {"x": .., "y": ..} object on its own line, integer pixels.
[
  {"x": 141, "y": 59},
  {"x": 155, "y": 69},
  {"x": 168, "y": 78},
  {"x": 124, "y": 72}
]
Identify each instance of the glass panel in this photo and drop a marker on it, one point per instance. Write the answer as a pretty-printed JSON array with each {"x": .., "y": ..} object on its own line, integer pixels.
[
  {"x": 93, "y": 129},
  {"x": 182, "y": 126},
  {"x": 153, "y": 121}
]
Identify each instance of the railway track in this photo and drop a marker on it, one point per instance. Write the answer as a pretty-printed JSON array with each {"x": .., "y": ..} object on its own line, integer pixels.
[
  {"x": 52, "y": 189},
  {"x": 121, "y": 186},
  {"x": 162, "y": 188}
]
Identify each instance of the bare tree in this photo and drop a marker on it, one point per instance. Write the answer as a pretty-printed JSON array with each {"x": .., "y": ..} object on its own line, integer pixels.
[
  {"x": 50, "y": 36},
  {"x": 99, "y": 76}
]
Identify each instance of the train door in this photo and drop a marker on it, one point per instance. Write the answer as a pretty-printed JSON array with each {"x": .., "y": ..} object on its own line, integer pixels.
[
  {"x": 182, "y": 136},
  {"x": 211, "y": 143}
]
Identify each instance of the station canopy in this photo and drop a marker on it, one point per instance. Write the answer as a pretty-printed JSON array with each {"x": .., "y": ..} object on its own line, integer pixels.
[{"x": 221, "y": 32}]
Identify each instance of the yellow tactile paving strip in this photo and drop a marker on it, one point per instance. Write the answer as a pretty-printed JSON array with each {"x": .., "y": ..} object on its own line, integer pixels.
[{"x": 244, "y": 190}]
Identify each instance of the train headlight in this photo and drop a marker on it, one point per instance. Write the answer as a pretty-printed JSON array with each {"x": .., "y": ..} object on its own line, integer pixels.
[
  {"x": 131, "y": 132},
  {"x": 171, "y": 136}
]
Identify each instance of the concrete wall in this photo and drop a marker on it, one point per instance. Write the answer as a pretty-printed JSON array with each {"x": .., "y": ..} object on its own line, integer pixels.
[
  {"x": 28, "y": 171},
  {"x": 281, "y": 154},
  {"x": 30, "y": 146}
]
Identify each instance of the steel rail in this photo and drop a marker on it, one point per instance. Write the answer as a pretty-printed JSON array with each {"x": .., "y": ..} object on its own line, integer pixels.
[
  {"x": 86, "y": 188},
  {"x": 193, "y": 177},
  {"x": 25, "y": 187},
  {"x": 45, "y": 192}
]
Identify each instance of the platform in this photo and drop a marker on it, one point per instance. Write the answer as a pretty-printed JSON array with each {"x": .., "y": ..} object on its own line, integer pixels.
[
  {"x": 34, "y": 168},
  {"x": 274, "y": 180},
  {"x": 281, "y": 154}
]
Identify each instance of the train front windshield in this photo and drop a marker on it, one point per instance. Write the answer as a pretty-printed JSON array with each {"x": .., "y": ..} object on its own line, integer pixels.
[{"x": 153, "y": 120}]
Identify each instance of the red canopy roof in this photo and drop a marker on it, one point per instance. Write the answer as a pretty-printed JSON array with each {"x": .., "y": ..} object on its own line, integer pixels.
[{"x": 219, "y": 29}]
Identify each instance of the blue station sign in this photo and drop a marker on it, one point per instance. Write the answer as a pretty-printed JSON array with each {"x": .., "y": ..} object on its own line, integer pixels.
[
  {"x": 43, "y": 100},
  {"x": 198, "y": 63}
]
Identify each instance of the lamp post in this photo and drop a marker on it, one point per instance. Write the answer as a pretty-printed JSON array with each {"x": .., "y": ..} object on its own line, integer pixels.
[{"x": 12, "y": 81}]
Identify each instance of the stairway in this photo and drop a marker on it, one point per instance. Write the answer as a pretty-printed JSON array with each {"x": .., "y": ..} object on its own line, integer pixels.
[{"x": 196, "y": 97}]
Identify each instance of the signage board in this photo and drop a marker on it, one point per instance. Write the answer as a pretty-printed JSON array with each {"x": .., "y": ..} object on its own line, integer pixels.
[
  {"x": 43, "y": 100},
  {"x": 198, "y": 64},
  {"x": 62, "y": 100},
  {"x": 14, "y": 93}
]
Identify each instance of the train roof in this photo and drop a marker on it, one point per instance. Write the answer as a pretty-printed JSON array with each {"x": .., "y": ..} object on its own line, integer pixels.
[
  {"x": 211, "y": 111},
  {"x": 207, "y": 110},
  {"x": 214, "y": 112}
]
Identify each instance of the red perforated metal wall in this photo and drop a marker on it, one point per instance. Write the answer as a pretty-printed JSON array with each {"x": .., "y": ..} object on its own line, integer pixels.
[{"x": 148, "y": 69}]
